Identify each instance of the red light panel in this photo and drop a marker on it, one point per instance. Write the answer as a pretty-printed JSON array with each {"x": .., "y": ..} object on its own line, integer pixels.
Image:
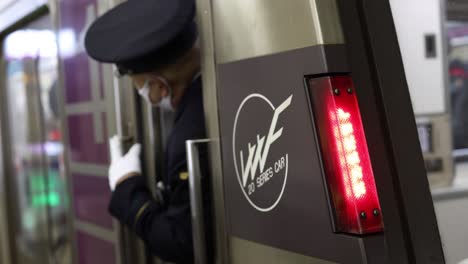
[{"x": 347, "y": 165}]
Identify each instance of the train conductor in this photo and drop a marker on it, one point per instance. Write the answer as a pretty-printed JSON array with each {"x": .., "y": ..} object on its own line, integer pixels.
[{"x": 154, "y": 43}]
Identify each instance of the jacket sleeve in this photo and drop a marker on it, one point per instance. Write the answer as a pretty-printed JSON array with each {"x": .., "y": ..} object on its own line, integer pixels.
[{"x": 165, "y": 230}]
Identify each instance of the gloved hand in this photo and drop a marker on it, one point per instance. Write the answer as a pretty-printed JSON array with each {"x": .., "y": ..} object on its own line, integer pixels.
[{"x": 122, "y": 165}]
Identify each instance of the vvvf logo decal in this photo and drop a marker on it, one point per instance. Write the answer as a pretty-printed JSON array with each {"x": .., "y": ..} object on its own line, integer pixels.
[{"x": 255, "y": 171}]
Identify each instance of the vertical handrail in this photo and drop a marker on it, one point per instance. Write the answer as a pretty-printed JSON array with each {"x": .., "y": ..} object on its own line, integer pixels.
[
  {"x": 124, "y": 108},
  {"x": 122, "y": 232},
  {"x": 196, "y": 200},
  {"x": 117, "y": 105}
]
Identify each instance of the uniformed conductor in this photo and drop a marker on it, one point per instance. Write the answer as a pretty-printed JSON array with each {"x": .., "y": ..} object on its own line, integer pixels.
[{"x": 153, "y": 42}]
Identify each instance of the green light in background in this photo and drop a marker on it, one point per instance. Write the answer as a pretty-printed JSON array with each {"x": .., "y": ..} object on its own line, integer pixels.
[
  {"x": 54, "y": 199},
  {"x": 45, "y": 191},
  {"x": 38, "y": 181},
  {"x": 51, "y": 199}
]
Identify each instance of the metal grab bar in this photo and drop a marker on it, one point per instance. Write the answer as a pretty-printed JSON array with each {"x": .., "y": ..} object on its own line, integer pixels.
[{"x": 196, "y": 200}]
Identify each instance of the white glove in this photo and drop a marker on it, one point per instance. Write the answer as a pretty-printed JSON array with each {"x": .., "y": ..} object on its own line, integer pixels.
[{"x": 122, "y": 165}]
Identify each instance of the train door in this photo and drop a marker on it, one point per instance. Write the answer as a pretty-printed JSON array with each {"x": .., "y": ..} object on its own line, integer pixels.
[
  {"x": 99, "y": 104},
  {"x": 34, "y": 180},
  {"x": 96, "y": 105},
  {"x": 294, "y": 90}
]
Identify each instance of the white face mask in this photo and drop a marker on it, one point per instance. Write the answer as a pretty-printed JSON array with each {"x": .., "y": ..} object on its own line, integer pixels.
[{"x": 165, "y": 102}]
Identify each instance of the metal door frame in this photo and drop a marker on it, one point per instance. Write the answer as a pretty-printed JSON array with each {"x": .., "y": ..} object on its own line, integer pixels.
[
  {"x": 5, "y": 234},
  {"x": 210, "y": 103},
  {"x": 411, "y": 229}
]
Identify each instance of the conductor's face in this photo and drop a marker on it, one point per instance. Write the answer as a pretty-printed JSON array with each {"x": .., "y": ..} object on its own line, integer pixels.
[{"x": 158, "y": 86}]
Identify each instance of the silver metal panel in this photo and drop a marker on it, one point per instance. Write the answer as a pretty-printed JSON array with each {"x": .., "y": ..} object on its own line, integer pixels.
[
  {"x": 235, "y": 30},
  {"x": 245, "y": 28},
  {"x": 210, "y": 101},
  {"x": 325, "y": 15}
]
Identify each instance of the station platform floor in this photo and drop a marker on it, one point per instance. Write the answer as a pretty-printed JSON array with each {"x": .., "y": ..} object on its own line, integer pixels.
[{"x": 451, "y": 207}]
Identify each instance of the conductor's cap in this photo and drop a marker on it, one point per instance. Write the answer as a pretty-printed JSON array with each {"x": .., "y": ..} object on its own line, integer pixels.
[{"x": 142, "y": 35}]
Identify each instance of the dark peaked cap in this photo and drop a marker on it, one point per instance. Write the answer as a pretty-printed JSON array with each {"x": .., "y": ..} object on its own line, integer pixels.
[{"x": 141, "y": 35}]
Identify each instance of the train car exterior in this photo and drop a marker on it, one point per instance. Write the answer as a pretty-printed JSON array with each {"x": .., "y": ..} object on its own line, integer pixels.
[{"x": 314, "y": 150}]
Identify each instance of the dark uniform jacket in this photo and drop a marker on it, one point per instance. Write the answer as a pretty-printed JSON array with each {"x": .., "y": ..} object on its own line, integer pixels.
[{"x": 166, "y": 227}]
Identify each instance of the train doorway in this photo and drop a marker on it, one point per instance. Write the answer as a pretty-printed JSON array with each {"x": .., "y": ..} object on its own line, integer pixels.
[{"x": 32, "y": 150}]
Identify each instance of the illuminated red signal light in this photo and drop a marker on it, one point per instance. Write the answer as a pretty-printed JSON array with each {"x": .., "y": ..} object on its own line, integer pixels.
[{"x": 346, "y": 161}]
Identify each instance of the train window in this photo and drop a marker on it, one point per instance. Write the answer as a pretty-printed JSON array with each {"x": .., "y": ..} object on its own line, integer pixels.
[
  {"x": 36, "y": 180},
  {"x": 457, "y": 56},
  {"x": 439, "y": 92}
]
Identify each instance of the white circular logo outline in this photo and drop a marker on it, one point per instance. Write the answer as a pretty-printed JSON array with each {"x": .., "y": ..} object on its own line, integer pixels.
[{"x": 255, "y": 95}]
